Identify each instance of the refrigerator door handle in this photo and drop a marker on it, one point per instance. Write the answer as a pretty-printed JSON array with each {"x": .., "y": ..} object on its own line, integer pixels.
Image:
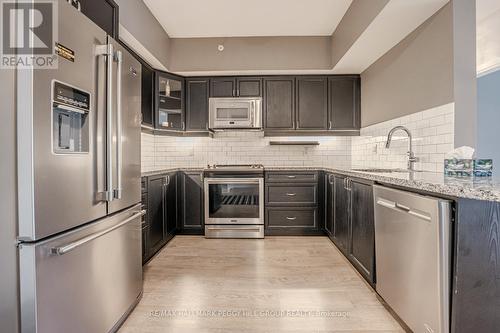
[
  {"x": 107, "y": 50},
  {"x": 61, "y": 250},
  {"x": 118, "y": 191}
]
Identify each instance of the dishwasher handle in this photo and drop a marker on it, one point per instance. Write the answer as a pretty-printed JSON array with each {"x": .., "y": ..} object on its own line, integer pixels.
[{"x": 403, "y": 209}]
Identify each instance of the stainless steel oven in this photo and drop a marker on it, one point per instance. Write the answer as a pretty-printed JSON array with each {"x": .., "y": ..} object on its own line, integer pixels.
[{"x": 234, "y": 202}]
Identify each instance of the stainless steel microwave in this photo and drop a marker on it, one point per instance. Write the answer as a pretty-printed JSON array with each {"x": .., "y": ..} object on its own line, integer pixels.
[{"x": 235, "y": 113}]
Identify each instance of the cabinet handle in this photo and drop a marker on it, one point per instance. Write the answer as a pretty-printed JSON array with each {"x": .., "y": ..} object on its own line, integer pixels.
[
  {"x": 291, "y": 194},
  {"x": 330, "y": 179},
  {"x": 330, "y": 124},
  {"x": 183, "y": 125},
  {"x": 292, "y": 177},
  {"x": 167, "y": 180},
  {"x": 291, "y": 218},
  {"x": 234, "y": 92}
]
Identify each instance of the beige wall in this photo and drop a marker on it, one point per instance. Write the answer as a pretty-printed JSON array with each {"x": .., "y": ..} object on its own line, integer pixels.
[
  {"x": 249, "y": 53},
  {"x": 415, "y": 75},
  {"x": 464, "y": 72},
  {"x": 357, "y": 18},
  {"x": 138, "y": 20}
]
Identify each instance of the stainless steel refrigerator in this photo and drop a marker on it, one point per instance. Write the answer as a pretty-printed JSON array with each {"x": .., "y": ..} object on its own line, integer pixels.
[{"x": 79, "y": 194}]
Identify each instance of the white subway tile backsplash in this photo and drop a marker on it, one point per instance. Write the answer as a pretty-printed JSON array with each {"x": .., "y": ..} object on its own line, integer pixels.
[
  {"x": 432, "y": 130},
  {"x": 161, "y": 152}
]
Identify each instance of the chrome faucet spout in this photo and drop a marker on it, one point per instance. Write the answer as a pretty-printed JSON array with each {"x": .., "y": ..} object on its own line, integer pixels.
[{"x": 411, "y": 155}]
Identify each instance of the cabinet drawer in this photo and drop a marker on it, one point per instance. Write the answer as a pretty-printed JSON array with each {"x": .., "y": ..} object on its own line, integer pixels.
[
  {"x": 292, "y": 177},
  {"x": 291, "y": 217},
  {"x": 292, "y": 195}
]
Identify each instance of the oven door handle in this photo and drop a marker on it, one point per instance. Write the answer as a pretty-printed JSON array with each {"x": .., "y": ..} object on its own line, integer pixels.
[
  {"x": 210, "y": 180},
  {"x": 233, "y": 229}
]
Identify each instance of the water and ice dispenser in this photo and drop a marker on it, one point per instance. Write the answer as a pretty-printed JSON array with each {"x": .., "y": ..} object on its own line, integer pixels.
[{"x": 70, "y": 128}]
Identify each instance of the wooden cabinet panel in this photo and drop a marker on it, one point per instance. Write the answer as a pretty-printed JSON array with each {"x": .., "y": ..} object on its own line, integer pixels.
[
  {"x": 329, "y": 204},
  {"x": 303, "y": 195},
  {"x": 157, "y": 212},
  {"x": 192, "y": 207},
  {"x": 223, "y": 87},
  {"x": 292, "y": 177},
  {"x": 341, "y": 214},
  {"x": 344, "y": 103},
  {"x": 312, "y": 103},
  {"x": 249, "y": 87},
  {"x": 291, "y": 217},
  {"x": 104, "y": 13},
  {"x": 279, "y": 103},
  {"x": 197, "y": 93},
  {"x": 171, "y": 205},
  {"x": 147, "y": 96},
  {"x": 362, "y": 242}
]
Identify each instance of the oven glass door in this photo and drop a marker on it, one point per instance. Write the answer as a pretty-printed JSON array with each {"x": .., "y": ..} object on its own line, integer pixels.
[{"x": 234, "y": 200}]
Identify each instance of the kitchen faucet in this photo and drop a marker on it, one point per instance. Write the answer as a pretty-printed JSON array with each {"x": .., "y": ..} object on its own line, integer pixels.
[{"x": 411, "y": 155}]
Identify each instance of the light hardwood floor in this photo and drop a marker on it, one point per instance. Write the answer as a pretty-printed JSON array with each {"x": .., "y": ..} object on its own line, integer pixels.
[{"x": 231, "y": 285}]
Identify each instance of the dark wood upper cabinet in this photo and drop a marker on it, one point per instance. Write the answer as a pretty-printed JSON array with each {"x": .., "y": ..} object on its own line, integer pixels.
[
  {"x": 344, "y": 103},
  {"x": 279, "y": 103},
  {"x": 223, "y": 87},
  {"x": 249, "y": 87},
  {"x": 341, "y": 213},
  {"x": 236, "y": 87},
  {"x": 312, "y": 103},
  {"x": 362, "y": 243},
  {"x": 169, "y": 101},
  {"x": 197, "y": 92},
  {"x": 104, "y": 13},
  {"x": 147, "y": 96}
]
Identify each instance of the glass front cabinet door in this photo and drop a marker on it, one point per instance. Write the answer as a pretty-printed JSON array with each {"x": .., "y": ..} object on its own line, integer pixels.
[{"x": 169, "y": 102}]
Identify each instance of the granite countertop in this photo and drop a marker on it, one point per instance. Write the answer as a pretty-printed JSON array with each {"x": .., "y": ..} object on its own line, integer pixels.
[{"x": 479, "y": 188}]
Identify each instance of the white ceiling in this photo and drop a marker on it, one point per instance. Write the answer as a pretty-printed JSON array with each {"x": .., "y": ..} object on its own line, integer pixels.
[{"x": 240, "y": 18}]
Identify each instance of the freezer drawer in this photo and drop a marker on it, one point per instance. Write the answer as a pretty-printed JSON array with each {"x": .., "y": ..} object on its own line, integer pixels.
[{"x": 84, "y": 280}]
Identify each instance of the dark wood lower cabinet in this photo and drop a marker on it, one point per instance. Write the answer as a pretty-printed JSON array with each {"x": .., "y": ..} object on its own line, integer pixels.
[
  {"x": 362, "y": 229},
  {"x": 191, "y": 217},
  {"x": 292, "y": 203},
  {"x": 157, "y": 213},
  {"x": 349, "y": 221},
  {"x": 161, "y": 217},
  {"x": 341, "y": 213},
  {"x": 329, "y": 203}
]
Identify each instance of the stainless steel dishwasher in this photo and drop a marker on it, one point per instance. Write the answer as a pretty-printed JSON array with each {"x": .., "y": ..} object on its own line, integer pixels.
[{"x": 412, "y": 248}]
